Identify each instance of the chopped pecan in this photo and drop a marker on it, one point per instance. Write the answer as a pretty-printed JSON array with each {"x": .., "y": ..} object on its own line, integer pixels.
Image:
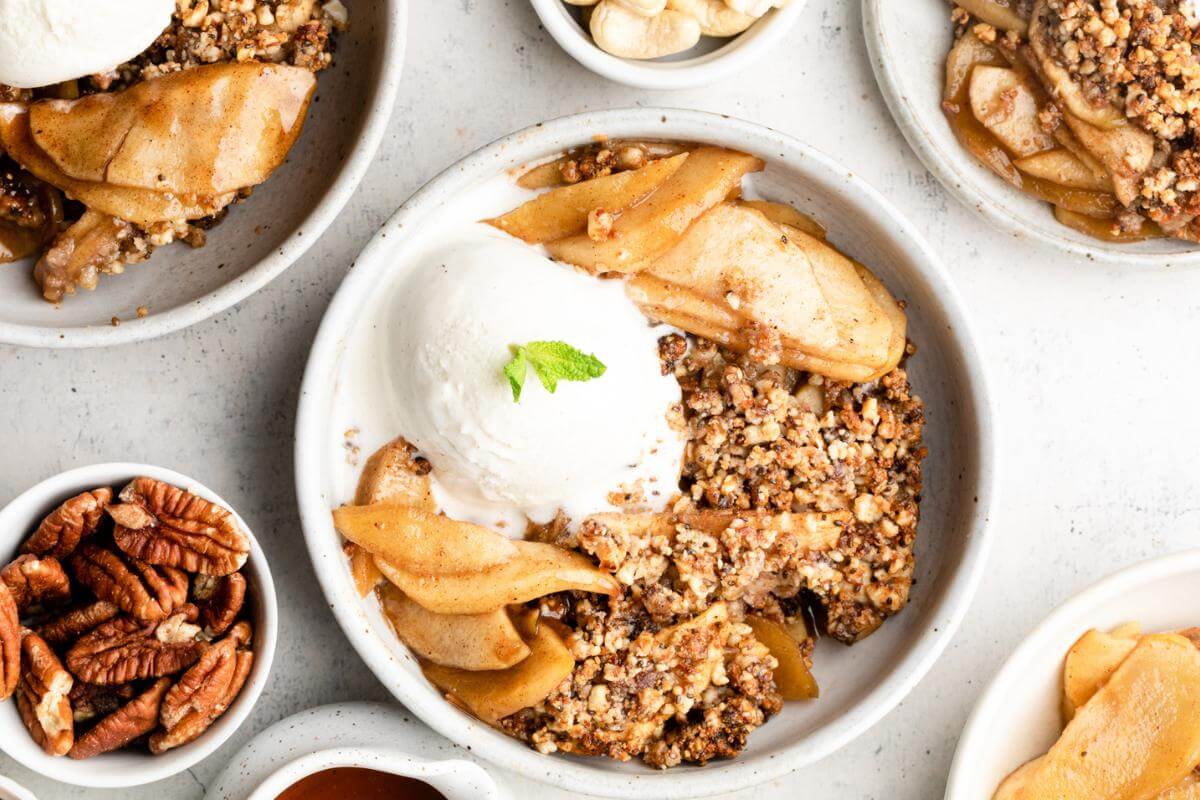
[
  {"x": 36, "y": 581},
  {"x": 136, "y": 718},
  {"x": 42, "y": 697},
  {"x": 221, "y": 600},
  {"x": 10, "y": 643},
  {"x": 142, "y": 590},
  {"x": 89, "y": 701},
  {"x": 189, "y": 710},
  {"x": 124, "y": 649},
  {"x": 175, "y": 528},
  {"x": 60, "y": 533},
  {"x": 65, "y": 629}
]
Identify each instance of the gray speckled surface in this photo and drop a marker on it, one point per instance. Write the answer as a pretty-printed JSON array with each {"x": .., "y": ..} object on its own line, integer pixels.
[{"x": 1092, "y": 368}]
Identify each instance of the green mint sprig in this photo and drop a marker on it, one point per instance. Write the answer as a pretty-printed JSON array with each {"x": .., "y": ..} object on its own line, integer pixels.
[{"x": 552, "y": 362}]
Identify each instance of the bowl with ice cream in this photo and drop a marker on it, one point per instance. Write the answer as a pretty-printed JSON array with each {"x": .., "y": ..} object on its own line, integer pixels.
[
  {"x": 621, "y": 434},
  {"x": 100, "y": 198}
]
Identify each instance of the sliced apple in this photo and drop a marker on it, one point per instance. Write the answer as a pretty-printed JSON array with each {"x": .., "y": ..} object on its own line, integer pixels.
[
  {"x": 209, "y": 130},
  {"x": 967, "y": 53},
  {"x": 537, "y": 570},
  {"x": 1104, "y": 229},
  {"x": 494, "y": 695},
  {"x": 996, "y": 13},
  {"x": 793, "y": 678},
  {"x": 1090, "y": 662},
  {"x": 783, "y": 214},
  {"x": 1187, "y": 789},
  {"x": 564, "y": 212},
  {"x": 1137, "y": 737},
  {"x": 390, "y": 476},
  {"x": 464, "y": 641},
  {"x": 422, "y": 542},
  {"x": 1125, "y": 151},
  {"x": 891, "y": 307},
  {"x": 1060, "y": 83},
  {"x": 1007, "y": 107},
  {"x": 649, "y": 229},
  {"x": 1062, "y": 167},
  {"x": 363, "y": 572}
]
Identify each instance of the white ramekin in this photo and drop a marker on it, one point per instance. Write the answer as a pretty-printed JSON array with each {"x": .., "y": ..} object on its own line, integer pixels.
[
  {"x": 11, "y": 790},
  {"x": 862, "y": 683},
  {"x": 122, "y": 769},
  {"x": 677, "y": 72}
]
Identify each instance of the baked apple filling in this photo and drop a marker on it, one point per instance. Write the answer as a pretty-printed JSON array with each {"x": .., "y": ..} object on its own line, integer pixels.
[{"x": 655, "y": 441}]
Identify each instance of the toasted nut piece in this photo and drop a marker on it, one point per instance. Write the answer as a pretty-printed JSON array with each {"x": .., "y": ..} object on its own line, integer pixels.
[
  {"x": 65, "y": 629},
  {"x": 124, "y": 649},
  {"x": 10, "y": 643},
  {"x": 198, "y": 720},
  {"x": 203, "y": 685},
  {"x": 221, "y": 600},
  {"x": 60, "y": 533},
  {"x": 395, "y": 474},
  {"x": 628, "y": 34},
  {"x": 716, "y": 18},
  {"x": 136, "y": 718},
  {"x": 42, "y": 696},
  {"x": 178, "y": 529},
  {"x": 36, "y": 581},
  {"x": 89, "y": 701},
  {"x": 142, "y": 590}
]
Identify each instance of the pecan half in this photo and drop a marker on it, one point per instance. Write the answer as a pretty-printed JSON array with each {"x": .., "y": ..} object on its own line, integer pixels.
[
  {"x": 142, "y": 590},
  {"x": 221, "y": 600},
  {"x": 36, "y": 581},
  {"x": 89, "y": 701},
  {"x": 60, "y": 533},
  {"x": 136, "y": 718},
  {"x": 206, "y": 691},
  {"x": 10, "y": 643},
  {"x": 124, "y": 649},
  {"x": 162, "y": 524},
  {"x": 42, "y": 696},
  {"x": 65, "y": 629}
]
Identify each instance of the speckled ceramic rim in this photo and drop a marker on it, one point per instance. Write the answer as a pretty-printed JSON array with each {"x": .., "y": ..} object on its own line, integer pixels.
[
  {"x": 17, "y": 519},
  {"x": 583, "y": 776},
  {"x": 687, "y": 73},
  {"x": 15, "y": 791},
  {"x": 1054, "y": 634},
  {"x": 972, "y": 184},
  {"x": 290, "y": 251}
]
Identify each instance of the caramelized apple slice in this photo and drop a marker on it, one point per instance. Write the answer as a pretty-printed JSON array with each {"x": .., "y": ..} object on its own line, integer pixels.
[
  {"x": 1008, "y": 109},
  {"x": 494, "y": 695},
  {"x": 895, "y": 314},
  {"x": 1125, "y": 151},
  {"x": 1187, "y": 789},
  {"x": 422, "y": 542},
  {"x": 783, "y": 214},
  {"x": 139, "y": 206},
  {"x": 464, "y": 641},
  {"x": 649, "y": 229},
  {"x": 1062, "y": 167},
  {"x": 363, "y": 571},
  {"x": 1137, "y": 737},
  {"x": 1105, "y": 229},
  {"x": 793, "y": 678},
  {"x": 996, "y": 14},
  {"x": 1090, "y": 662},
  {"x": 564, "y": 212},
  {"x": 391, "y": 475},
  {"x": 966, "y": 54},
  {"x": 208, "y": 130},
  {"x": 1060, "y": 83}
]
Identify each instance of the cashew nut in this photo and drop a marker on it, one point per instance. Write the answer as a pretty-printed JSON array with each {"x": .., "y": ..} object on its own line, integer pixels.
[
  {"x": 754, "y": 8},
  {"x": 715, "y": 18},
  {"x": 626, "y": 34},
  {"x": 647, "y": 8},
  {"x": 581, "y": 2}
]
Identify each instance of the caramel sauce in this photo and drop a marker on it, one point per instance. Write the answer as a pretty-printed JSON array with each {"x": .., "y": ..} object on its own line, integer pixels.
[
  {"x": 18, "y": 243},
  {"x": 356, "y": 783}
]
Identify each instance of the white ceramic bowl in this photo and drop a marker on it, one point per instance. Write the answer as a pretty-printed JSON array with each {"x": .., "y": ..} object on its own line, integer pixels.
[
  {"x": 261, "y": 237},
  {"x": 860, "y": 684},
  {"x": 119, "y": 769},
  {"x": 11, "y": 790},
  {"x": 710, "y": 61},
  {"x": 908, "y": 42},
  {"x": 1017, "y": 718}
]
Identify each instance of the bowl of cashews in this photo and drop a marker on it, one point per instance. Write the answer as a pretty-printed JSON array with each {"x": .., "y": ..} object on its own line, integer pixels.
[{"x": 667, "y": 44}]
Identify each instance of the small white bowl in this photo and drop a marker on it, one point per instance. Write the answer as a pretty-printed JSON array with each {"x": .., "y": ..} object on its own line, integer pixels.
[
  {"x": 908, "y": 42},
  {"x": 261, "y": 237},
  {"x": 11, "y": 790},
  {"x": 1017, "y": 718},
  {"x": 122, "y": 769},
  {"x": 859, "y": 684},
  {"x": 710, "y": 61}
]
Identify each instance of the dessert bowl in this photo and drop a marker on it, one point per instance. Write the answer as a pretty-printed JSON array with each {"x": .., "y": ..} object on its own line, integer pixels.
[
  {"x": 14, "y": 791},
  {"x": 708, "y": 62},
  {"x": 180, "y": 286},
  {"x": 865, "y": 681},
  {"x": 129, "y": 768},
  {"x": 1018, "y": 715},
  {"x": 908, "y": 44}
]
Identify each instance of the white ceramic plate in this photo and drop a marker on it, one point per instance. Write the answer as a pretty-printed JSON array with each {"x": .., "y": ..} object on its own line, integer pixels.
[
  {"x": 261, "y": 237},
  {"x": 131, "y": 768},
  {"x": 908, "y": 41},
  {"x": 708, "y": 62},
  {"x": 860, "y": 684},
  {"x": 1018, "y": 716}
]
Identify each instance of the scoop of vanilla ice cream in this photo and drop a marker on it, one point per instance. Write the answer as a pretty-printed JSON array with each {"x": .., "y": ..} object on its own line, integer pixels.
[
  {"x": 43, "y": 42},
  {"x": 495, "y": 461}
]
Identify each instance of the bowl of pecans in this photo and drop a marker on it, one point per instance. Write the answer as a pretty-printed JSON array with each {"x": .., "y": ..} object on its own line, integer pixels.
[{"x": 137, "y": 624}]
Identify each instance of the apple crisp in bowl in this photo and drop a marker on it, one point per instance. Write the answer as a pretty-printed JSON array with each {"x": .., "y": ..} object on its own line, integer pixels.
[{"x": 645, "y": 464}]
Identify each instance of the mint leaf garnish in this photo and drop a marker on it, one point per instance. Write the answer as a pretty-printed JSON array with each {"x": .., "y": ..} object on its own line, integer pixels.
[{"x": 552, "y": 362}]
